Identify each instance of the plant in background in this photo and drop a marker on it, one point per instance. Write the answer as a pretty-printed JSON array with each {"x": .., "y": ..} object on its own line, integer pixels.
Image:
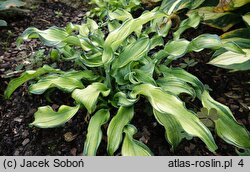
[
  {"x": 188, "y": 63},
  {"x": 7, "y": 6},
  {"x": 224, "y": 15},
  {"x": 219, "y": 14},
  {"x": 104, "y": 6},
  {"x": 58, "y": 14},
  {"x": 123, "y": 68}
]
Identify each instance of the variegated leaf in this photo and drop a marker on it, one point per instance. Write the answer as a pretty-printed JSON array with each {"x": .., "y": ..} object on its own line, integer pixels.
[
  {"x": 226, "y": 126},
  {"x": 116, "y": 127},
  {"x": 46, "y": 117},
  {"x": 132, "y": 147},
  {"x": 167, "y": 103},
  {"x": 89, "y": 95},
  {"x": 26, "y": 76},
  {"x": 94, "y": 133}
]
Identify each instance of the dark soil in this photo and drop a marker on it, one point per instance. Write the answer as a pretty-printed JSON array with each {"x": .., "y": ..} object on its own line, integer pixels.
[{"x": 17, "y": 138}]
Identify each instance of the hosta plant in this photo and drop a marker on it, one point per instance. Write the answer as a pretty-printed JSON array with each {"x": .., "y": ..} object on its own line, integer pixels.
[
  {"x": 221, "y": 14},
  {"x": 224, "y": 16},
  {"x": 120, "y": 70}
]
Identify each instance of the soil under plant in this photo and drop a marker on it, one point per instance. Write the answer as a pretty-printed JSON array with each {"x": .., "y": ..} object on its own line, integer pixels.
[{"x": 17, "y": 138}]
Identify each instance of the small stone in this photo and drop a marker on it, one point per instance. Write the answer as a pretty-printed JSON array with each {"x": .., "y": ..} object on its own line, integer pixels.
[
  {"x": 65, "y": 19},
  {"x": 68, "y": 137},
  {"x": 74, "y": 20},
  {"x": 25, "y": 134},
  {"x": 55, "y": 106},
  {"x": 16, "y": 135},
  {"x": 154, "y": 124},
  {"x": 80, "y": 15},
  {"x": 13, "y": 45},
  {"x": 16, "y": 153},
  {"x": 25, "y": 142},
  {"x": 73, "y": 151},
  {"x": 143, "y": 139},
  {"x": 17, "y": 119},
  {"x": 15, "y": 131}
]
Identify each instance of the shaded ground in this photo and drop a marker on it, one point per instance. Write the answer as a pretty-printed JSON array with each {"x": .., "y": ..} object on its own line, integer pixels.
[{"x": 17, "y": 138}]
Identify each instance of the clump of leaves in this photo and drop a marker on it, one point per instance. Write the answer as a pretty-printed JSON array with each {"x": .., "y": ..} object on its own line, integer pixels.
[
  {"x": 219, "y": 14},
  {"x": 125, "y": 67},
  {"x": 188, "y": 63},
  {"x": 224, "y": 16},
  {"x": 208, "y": 116}
]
